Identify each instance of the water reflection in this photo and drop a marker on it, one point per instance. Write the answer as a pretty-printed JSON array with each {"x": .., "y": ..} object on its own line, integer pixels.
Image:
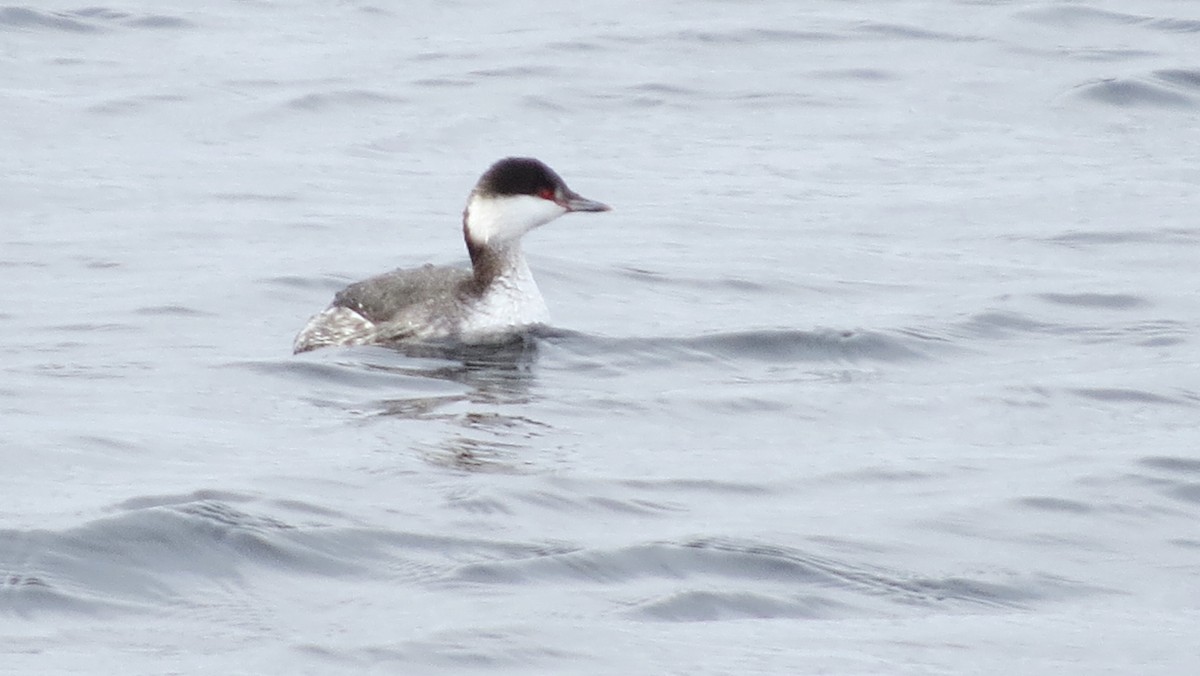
[
  {"x": 494, "y": 374},
  {"x": 486, "y": 434}
]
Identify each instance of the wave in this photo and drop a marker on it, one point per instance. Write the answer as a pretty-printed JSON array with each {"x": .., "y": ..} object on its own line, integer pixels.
[
  {"x": 1134, "y": 92},
  {"x": 161, "y": 551},
  {"x": 87, "y": 20},
  {"x": 762, "y": 345},
  {"x": 723, "y": 578}
]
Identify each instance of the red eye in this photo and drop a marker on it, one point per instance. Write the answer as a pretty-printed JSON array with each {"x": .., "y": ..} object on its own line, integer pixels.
[{"x": 546, "y": 194}]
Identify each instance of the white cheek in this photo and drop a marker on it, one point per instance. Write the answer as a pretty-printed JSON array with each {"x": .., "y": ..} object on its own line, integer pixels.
[{"x": 501, "y": 219}]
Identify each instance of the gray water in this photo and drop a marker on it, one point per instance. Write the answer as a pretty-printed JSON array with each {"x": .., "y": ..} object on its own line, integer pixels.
[{"x": 885, "y": 362}]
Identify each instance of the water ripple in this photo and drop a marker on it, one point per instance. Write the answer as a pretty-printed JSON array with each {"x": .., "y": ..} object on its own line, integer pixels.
[
  {"x": 1056, "y": 504},
  {"x": 739, "y": 578},
  {"x": 1082, "y": 17},
  {"x": 155, "y": 550},
  {"x": 352, "y": 98},
  {"x": 1174, "y": 477},
  {"x": 906, "y": 32},
  {"x": 87, "y": 20},
  {"x": 1176, "y": 25},
  {"x": 1128, "y": 395},
  {"x": 712, "y": 605},
  {"x": 997, "y": 324},
  {"x": 1133, "y": 92},
  {"x": 1112, "y": 301},
  {"x": 769, "y": 345},
  {"x": 21, "y": 17},
  {"x": 1077, "y": 16},
  {"x": 1188, "y": 78},
  {"x": 1169, "y": 236},
  {"x": 751, "y": 36}
]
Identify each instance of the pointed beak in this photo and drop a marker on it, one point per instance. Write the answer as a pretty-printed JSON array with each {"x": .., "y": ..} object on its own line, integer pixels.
[{"x": 576, "y": 202}]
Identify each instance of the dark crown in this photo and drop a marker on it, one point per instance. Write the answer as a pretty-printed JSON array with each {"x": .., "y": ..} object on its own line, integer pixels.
[{"x": 517, "y": 176}]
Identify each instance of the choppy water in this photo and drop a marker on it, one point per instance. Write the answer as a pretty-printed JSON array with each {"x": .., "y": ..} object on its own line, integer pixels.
[{"x": 886, "y": 361}]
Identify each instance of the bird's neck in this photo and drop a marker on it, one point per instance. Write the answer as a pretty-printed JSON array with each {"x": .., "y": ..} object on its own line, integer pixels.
[{"x": 490, "y": 263}]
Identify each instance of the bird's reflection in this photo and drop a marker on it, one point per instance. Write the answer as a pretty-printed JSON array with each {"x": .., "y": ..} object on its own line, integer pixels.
[{"x": 488, "y": 435}]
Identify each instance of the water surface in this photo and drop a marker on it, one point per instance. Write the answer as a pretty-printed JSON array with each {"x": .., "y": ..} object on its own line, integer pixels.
[{"x": 885, "y": 361}]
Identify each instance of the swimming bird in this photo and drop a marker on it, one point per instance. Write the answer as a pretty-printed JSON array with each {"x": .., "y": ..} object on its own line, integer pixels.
[{"x": 490, "y": 302}]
